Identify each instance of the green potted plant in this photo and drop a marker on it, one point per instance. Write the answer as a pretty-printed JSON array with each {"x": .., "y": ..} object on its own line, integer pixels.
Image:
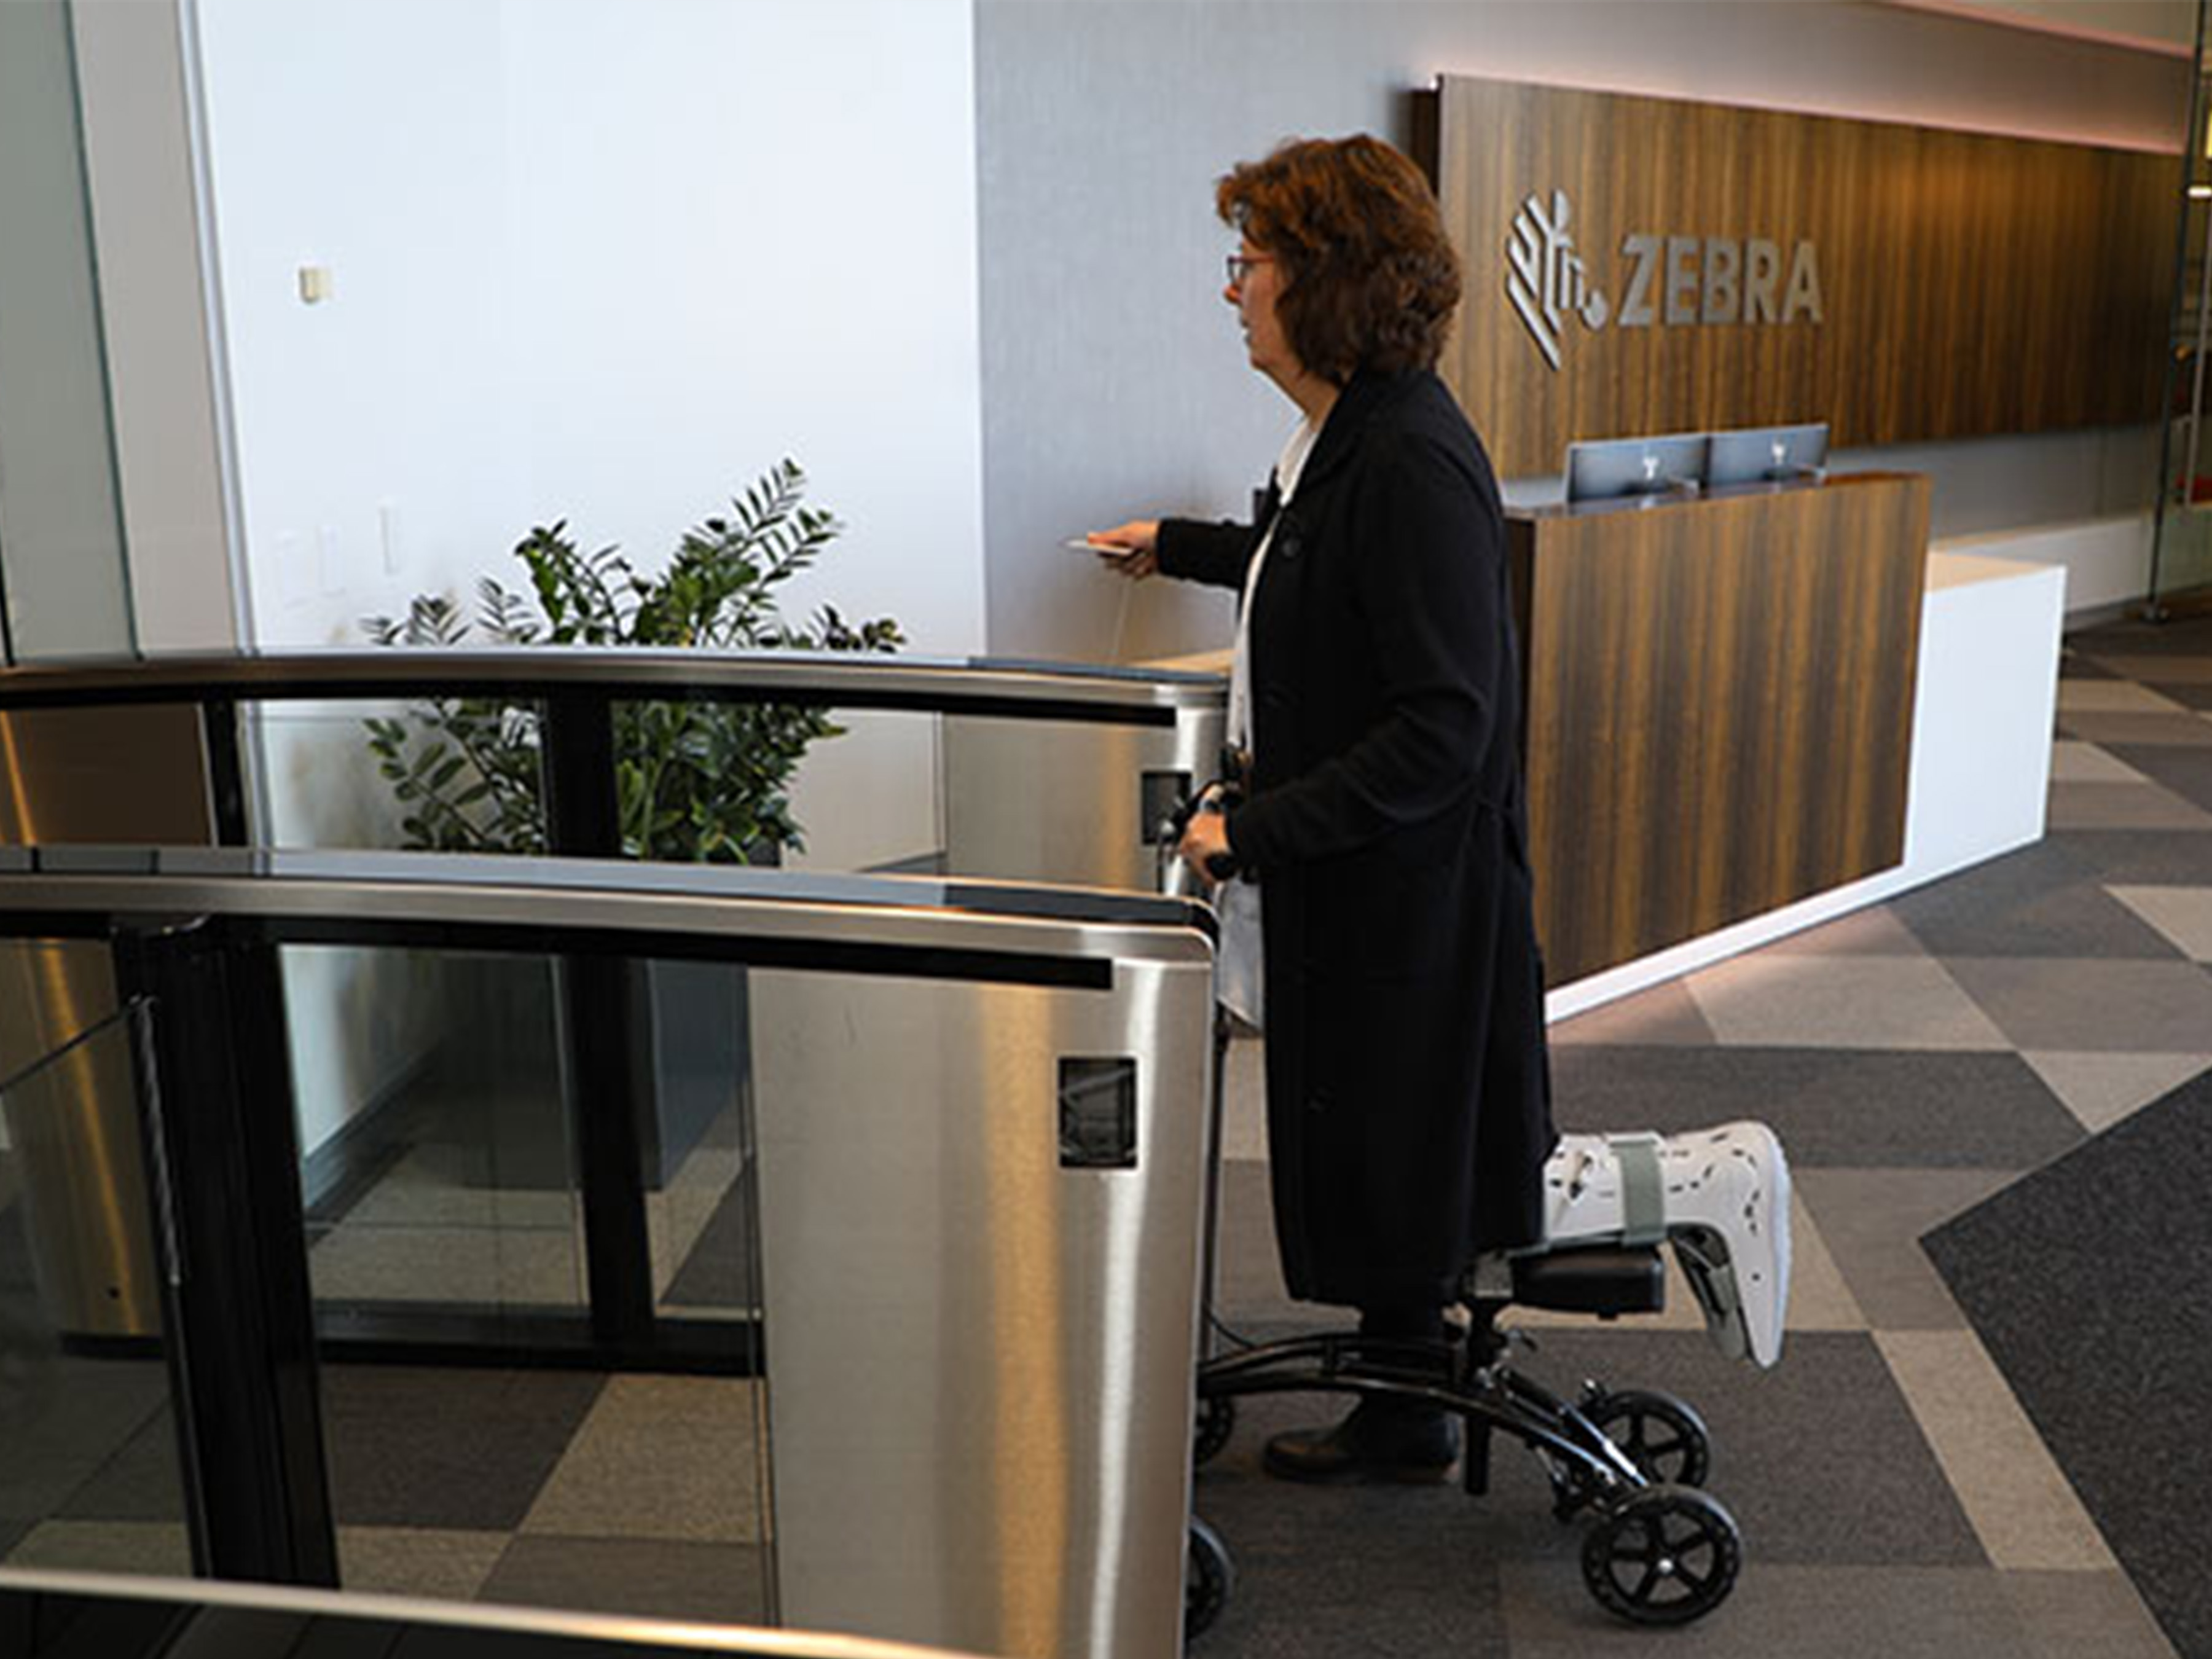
[{"x": 694, "y": 781}]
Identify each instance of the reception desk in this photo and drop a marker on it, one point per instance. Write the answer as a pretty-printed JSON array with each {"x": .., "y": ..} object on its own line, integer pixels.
[
  {"x": 1719, "y": 706},
  {"x": 1750, "y": 712}
]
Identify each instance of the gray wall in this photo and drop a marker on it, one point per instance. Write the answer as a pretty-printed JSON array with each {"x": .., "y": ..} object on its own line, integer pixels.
[{"x": 1113, "y": 381}]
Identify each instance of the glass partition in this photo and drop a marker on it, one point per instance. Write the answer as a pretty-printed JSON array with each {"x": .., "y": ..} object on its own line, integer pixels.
[
  {"x": 987, "y": 796},
  {"x": 91, "y": 1475},
  {"x": 448, "y": 1207},
  {"x": 437, "y": 1143}
]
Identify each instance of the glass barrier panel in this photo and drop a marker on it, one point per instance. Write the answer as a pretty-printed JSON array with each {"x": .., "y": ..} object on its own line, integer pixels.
[
  {"x": 91, "y": 1475},
  {"x": 2185, "y": 549},
  {"x": 436, "y": 1140},
  {"x": 701, "y": 1197},
  {"x": 446, "y": 1207},
  {"x": 808, "y": 787},
  {"x": 447, "y": 774}
]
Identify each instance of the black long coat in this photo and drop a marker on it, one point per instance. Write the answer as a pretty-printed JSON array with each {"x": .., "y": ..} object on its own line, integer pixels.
[{"x": 1408, "y": 1095}]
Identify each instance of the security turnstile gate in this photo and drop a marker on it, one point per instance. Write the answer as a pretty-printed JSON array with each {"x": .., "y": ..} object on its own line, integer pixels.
[{"x": 975, "y": 1125}]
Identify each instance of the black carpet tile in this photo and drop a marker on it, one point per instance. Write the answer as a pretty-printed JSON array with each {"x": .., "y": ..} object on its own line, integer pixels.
[
  {"x": 1853, "y": 1108},
  {"x": 2189, "y": 636},
  {"x": 1380, "y": 1571},
  {"x": 446, "y": 1448},
  {"x": 1820, "y": 1460},
  {"x": 2086, "y": 1281},
  {"x": 2144, "y": 858},
  {"x": 12, "y": 1530},
  {"x": 144, "y": 1481},
  {"x": 2186, "y": 771},
  {"x": 2043, "y": 901},
  {"x": 718, "y": 1272},
  {"x": 2073, "y": 665},
  {"x": 662, "y": 1579}
]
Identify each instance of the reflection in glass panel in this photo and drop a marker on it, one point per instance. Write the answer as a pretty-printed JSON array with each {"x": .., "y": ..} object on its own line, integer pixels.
[
  {"x": 899, "y": 791},
  {"x": 437, "y": 1169},
  {"x": 89, "y": 1472},
  {"x": 446, "y": 775},
  {"x": 702, "y": 1204},
  {"x": 866, "y": 794},
  {"x": 444, "y": 1205},
  {"x": 2185, "y": 549},
  {"x": 61, "y": 530},
  {"x": 1083, "y": 787}
]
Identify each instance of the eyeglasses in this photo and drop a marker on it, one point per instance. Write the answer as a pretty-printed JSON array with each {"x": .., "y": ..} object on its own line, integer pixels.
[{"x": 1239, "y": 266}]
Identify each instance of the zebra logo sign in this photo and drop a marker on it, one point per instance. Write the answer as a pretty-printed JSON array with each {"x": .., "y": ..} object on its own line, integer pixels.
[
  {"x": 1672, "y": 281},
  {"x": 1545, "y": 277}
]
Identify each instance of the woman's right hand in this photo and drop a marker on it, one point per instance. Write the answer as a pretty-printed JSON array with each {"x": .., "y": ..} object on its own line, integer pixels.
[{"x": 1131, "y": 549}]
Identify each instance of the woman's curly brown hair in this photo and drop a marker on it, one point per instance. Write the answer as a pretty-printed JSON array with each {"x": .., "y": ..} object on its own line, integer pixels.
[{"x": 1370, "y": 280}]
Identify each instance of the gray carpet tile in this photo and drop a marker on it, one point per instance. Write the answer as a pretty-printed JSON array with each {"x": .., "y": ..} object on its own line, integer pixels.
[
  {"x": 2123, "y": 731},
  {"x": 2043, "y": 1003},
  {"x": 1852, "y": 1108},
  {"x": 144, "y": 1481},
  {"x": 1871, "y": 1221},
  {"x": 2124, "y": 803},
  {"x": 2066, "y": 1614},
  {"x": 2186, "y": 772},
  {"x": 1874, "y": 932},
  {"x": 2191, "y": 694},
  {"x": 68, "y": 1419},
  {"x": 1665, "y": 1013},
  {"x": 1248, "y": 1273},
  {"x": 459, "y": 1448},
  {"x": 2174, "y": 858},
  {"x": 725, "y": 1583},
  {"x": 1783, "y": 1612},
  {"x": 718, "y": 1272},
  {"x": 1380, "y": 1571},
  {"x": 2085, "y": 1281},
  {"x": 13, "y": 1527},
  {"x": 442, "y": 1565},
  {"x": 2041, "y": 901},
  {"x": 1821, "y": 1460}
]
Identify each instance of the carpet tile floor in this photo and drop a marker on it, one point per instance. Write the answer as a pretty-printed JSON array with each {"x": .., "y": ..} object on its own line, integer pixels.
[{"x": 1893, "y": 1476}]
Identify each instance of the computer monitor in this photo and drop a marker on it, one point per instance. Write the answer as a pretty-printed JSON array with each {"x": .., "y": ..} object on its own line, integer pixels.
[
  {"x": 1766, "y": 454},
  {"x": 1611, "y": 467}
]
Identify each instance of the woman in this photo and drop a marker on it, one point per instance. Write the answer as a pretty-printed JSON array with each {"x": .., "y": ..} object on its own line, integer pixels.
[{"x": 1377, "y": 692}]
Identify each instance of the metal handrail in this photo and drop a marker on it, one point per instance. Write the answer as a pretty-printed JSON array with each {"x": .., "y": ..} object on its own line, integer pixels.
[
  {"x": 356, "y": 1607},
  {"x": 618, "y": 672},
  {"x": 566, "y": 897}
]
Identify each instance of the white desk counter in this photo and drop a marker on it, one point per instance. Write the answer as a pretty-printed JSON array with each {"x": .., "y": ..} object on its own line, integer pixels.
[{"x": 1980, "y": 777}]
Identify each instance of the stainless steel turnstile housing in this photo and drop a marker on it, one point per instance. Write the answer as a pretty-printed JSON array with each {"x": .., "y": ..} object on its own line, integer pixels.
[{"x": 982, "y": 1125}]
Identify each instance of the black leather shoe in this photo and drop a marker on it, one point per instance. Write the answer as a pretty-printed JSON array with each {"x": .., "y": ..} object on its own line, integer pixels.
[{"x": 1374, "y": 1445}]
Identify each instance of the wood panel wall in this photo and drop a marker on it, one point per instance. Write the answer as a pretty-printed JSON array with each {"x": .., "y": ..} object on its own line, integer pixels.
[
  {"x": 1970, "y": 284},
  {"x": 1719, "y": 705}
]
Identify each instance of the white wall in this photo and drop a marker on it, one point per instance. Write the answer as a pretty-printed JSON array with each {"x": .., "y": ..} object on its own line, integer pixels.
[{"x": 602, "y": 263}]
